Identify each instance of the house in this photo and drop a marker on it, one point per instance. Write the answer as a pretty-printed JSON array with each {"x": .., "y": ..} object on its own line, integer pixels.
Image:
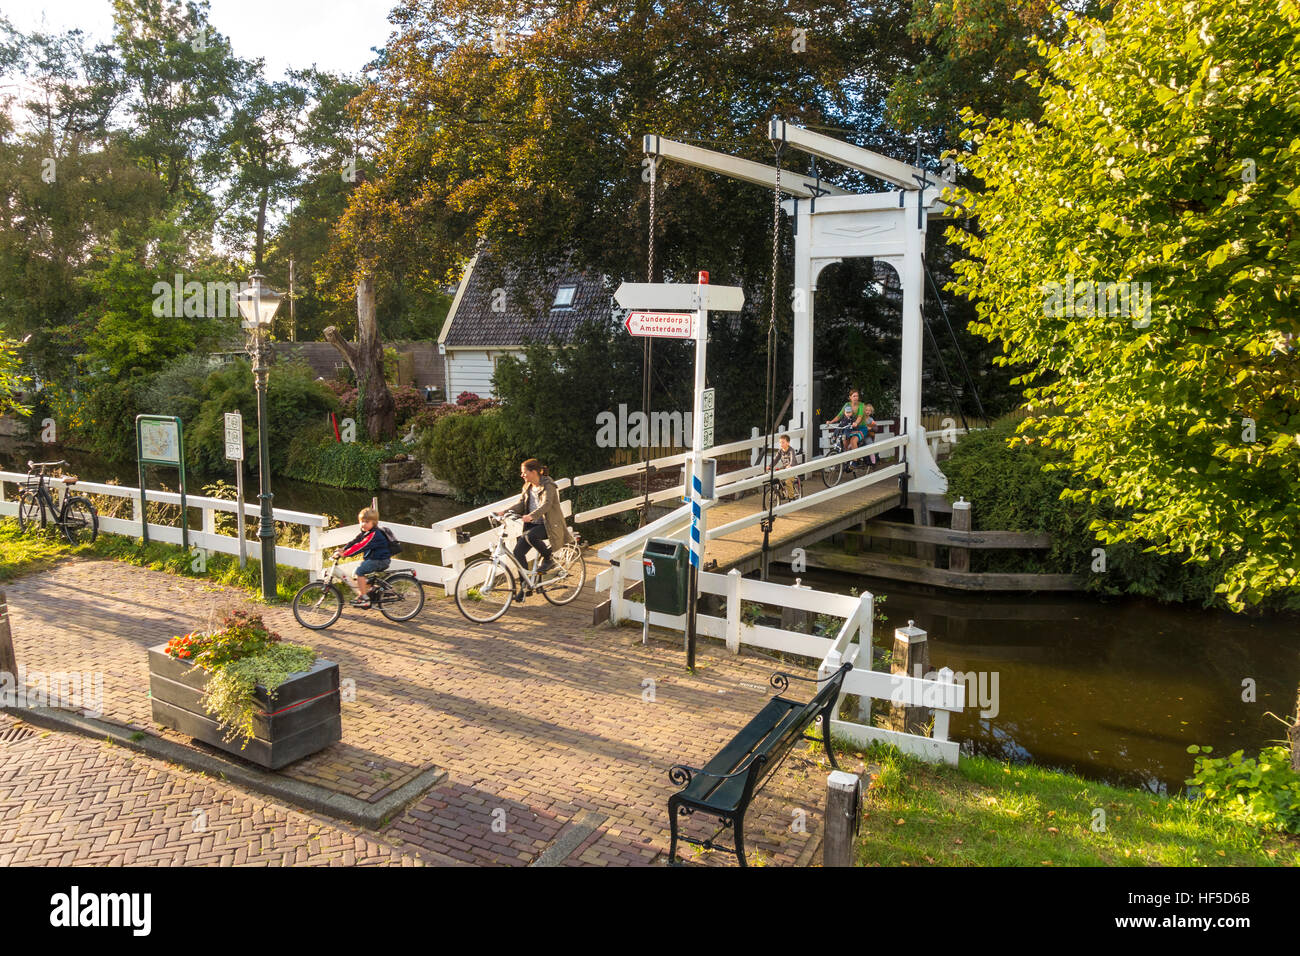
[{"x": 499, "y": 309}]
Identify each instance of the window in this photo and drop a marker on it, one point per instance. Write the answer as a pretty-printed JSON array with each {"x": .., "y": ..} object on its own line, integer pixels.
[{"x": 564, "y": 297}]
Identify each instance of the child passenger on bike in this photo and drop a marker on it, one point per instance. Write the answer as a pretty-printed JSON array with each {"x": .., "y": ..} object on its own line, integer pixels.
[{"x": 372, "y": 544}]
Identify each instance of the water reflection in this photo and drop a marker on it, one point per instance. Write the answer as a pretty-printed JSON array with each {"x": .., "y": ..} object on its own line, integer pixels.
[{"x": 1113, "y": 690}]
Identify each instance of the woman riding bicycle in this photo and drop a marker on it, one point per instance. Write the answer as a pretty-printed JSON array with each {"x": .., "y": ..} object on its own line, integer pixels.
[
  {"x": 539, "y": 504},
  {"x": 855, "y": 415}
]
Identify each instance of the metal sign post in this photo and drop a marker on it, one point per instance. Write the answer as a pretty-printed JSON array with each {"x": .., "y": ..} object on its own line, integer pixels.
[
  {"x": 689, "y": 307},
  {"x": 235, "y": 453}
]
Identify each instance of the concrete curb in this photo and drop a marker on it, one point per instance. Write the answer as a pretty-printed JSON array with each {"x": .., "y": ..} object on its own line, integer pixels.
[{"x": 306, "y": 796}]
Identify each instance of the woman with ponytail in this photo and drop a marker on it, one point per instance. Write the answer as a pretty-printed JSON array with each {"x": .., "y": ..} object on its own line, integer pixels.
[{"x": 539, "y": 504}]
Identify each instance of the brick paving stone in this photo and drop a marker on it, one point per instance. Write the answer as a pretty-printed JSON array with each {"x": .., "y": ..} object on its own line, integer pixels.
[
  {"x": 59, "y": 771},
  {"x": 539, "y": 715}
]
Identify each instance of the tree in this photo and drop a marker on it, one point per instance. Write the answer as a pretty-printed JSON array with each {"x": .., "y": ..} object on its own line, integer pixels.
[
  {"x": 1162, "y": 179},
  {"x": 366, "y": 359}
]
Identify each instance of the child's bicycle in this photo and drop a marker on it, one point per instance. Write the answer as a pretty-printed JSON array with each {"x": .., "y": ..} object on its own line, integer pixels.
[
  {"x": 783, "y": 493},
  {"x": 398, "y": 594},
  {"x": 487, "y": 587}
]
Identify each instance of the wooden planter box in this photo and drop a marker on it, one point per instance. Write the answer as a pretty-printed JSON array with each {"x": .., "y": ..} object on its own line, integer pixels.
[{"x": 304, "y": 717}]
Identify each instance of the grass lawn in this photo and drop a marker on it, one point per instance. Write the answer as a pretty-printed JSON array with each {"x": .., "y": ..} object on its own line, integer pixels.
[
  {"x": 989, "y": 813},
  {"x": 28, "y": 553}
]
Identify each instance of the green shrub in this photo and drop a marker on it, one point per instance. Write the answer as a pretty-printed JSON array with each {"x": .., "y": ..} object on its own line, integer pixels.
[
  {"x": 474, "y": 453},
  {"x": 295, "y": 401},
  {"x": 177, "y": 389},
  {"x": 1264, "y": 792},
  {"x": 1016, "y": 485},
  {"x": 315, "y": 455}
]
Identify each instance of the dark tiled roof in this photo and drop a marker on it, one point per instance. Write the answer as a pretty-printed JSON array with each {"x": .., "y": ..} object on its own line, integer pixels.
[{"x": 526, "y": 314}]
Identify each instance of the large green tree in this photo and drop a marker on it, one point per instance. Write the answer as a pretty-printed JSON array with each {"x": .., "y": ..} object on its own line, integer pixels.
[{"x": 1166, "y": 160}]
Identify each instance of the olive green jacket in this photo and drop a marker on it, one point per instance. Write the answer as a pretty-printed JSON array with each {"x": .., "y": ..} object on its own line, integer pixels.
[{"x": 548, "y": 509}]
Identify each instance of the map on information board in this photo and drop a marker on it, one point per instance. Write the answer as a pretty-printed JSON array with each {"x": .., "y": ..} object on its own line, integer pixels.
[{"x": 160, "y": 442}]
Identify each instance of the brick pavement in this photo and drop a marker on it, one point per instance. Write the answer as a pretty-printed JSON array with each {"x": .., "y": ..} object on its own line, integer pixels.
[
  {"x": 536, "y": 718},
  {"x": 67, "y": 800}
]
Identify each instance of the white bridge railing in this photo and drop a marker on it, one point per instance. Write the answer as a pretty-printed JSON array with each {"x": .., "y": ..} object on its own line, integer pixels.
[
  {"x": 852, "y": 643},
  {"x": 205, "y": 536}
]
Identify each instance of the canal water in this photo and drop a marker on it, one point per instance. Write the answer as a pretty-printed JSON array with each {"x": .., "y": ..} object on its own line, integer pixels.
[{"x": 1115, "y": 690}]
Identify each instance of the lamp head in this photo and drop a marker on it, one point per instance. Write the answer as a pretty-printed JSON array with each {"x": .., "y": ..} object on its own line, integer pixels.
[{"x": 258, "y": 303}]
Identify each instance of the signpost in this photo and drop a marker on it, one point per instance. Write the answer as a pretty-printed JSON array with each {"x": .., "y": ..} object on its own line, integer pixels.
[
  {"x": 664, "y": 325},
  {"x": 235, "y": 453},
  {"x": 160, "y": 440},
  {"x": 686, "y": 315}
]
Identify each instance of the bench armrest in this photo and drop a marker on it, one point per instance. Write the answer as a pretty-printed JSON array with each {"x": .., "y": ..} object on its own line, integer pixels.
[
  {"x": 680, "y": 774},
  {"x": 781, "y": 681}
]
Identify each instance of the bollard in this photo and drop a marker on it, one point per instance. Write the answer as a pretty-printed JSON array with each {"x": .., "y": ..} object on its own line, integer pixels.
[
  {"x": 959, "y": 558},
  {"x": 912, "y": 658},
  {"x": 8, "y": 661},
  {"x": 843, "y": 806}
]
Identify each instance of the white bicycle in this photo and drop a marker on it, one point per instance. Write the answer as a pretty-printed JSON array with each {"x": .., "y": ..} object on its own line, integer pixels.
[{"x": 487, "y": 587}]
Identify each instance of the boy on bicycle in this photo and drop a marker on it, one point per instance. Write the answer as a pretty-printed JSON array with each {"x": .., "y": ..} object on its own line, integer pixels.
[
  {"x": 785, "y": 459},
  {"x": 372, "y": 544}
]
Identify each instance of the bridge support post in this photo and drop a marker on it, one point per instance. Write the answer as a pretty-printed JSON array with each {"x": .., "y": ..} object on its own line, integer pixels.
[
  {"x": 959, "y": 558},
  {"x": 912, "y": 659}
]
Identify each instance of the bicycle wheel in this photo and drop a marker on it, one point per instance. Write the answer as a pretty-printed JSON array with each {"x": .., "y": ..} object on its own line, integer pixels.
[
  {"x": 570, "y": 574},
  {"x": 79, "y": 521},
  {"x": 317, "y": 605},
  {"x": 403, "y": 597},
  {"x": 484, "y": 590},
  {"x": 29, "y": 511},
  {"x": 767, "y": 496},
  {"x": 831, "y": 475}
]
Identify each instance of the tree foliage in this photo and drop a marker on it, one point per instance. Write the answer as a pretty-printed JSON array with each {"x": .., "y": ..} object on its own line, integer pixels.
[{"x": 1166, "y": 155}]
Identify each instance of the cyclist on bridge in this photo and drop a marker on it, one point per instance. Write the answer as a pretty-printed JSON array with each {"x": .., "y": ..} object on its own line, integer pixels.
[
  {"x": 539, "y": 504},
  {"x": 856, "y": 415}
]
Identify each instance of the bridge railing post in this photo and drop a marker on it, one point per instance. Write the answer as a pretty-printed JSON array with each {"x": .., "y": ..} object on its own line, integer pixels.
[{"x": 616, "y": 595}]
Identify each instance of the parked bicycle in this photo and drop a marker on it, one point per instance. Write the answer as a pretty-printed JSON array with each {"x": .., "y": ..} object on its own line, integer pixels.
[
  {"x": 832, "y": 474},
  {"x": 399, "y": 595},
  {"x": 76, "y": 517},
  {"x": 487, "y": 587}
]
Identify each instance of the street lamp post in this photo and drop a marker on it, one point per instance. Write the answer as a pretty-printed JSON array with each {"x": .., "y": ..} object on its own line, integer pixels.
[{"x": 258, "y": 305}]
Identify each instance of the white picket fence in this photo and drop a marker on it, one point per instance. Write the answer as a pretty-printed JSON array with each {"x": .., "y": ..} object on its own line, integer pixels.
[
  {"x": 205, "y": 536},
  {"x": 852, "y": 643}
]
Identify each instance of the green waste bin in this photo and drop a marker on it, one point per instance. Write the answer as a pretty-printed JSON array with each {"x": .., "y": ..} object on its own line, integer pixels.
[{"x": 664, "y": 563}]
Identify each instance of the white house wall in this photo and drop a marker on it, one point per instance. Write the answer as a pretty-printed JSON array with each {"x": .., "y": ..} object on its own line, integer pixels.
[{"x": 469, "y": 370}]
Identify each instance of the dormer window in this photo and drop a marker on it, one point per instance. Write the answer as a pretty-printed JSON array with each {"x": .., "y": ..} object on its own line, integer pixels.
[{"x": 564, "y": 297}]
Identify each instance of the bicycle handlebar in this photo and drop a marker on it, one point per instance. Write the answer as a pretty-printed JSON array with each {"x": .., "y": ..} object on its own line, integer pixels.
[{"x": 45, "y": 464}]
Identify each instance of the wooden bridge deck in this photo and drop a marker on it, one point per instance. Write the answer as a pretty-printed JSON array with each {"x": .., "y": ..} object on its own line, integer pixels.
[{"x": 743, "y": 549}]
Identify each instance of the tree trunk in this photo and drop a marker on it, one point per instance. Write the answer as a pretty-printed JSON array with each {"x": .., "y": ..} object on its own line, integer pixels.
[
  {"x": 1293, "y": 735},
  {"x": 374, "y": 402}
]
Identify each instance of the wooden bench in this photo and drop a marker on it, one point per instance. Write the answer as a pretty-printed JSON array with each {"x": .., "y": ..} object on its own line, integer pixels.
[{"x": 724, "y": 787}]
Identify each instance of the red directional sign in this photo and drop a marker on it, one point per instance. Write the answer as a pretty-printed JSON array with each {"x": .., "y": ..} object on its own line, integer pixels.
[{"x": 667, "y": 325}]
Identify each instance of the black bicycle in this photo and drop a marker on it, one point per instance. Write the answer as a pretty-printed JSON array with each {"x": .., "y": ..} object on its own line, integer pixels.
[
  {"x": 399, "y": 595},
  {"x": 76, "y": 517},
  {"x": 785, "y": 489}
]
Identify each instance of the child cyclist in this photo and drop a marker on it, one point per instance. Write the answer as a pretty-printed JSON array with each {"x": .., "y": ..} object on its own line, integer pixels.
[{"x": 372, "y": 544}]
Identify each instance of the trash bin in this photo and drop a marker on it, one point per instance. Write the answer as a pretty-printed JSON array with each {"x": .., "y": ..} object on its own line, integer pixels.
[{"x": 664, "y": 565}]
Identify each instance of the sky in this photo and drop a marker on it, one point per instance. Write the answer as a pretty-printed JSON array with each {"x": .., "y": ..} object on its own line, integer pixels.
[{"x": 335, "y": 35}]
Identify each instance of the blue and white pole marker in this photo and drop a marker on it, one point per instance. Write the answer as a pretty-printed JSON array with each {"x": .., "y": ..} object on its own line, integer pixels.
[{"x": 697, "y": 522}]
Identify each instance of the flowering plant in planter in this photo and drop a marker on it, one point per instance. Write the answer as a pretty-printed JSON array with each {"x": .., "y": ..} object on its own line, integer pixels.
[{"x": 239, "y": 656}]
